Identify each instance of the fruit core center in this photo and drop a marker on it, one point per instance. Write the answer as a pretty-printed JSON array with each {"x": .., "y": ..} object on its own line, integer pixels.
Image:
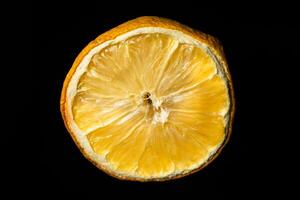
[{"x": 156, "y": 111}]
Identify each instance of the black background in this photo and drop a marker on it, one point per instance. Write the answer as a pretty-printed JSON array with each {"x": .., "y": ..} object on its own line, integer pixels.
[{"x": 255, "y": 42}]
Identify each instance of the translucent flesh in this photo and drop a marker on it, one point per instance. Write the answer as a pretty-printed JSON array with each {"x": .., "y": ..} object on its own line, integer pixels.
[{"x": 152, "y": 106}]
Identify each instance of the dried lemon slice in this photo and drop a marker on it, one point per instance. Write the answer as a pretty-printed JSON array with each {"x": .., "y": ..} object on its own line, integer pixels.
[{"x": 149, "y": 100}]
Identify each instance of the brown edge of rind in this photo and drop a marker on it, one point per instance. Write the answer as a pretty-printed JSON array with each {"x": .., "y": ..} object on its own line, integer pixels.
[{"x": 149, "y": 21}]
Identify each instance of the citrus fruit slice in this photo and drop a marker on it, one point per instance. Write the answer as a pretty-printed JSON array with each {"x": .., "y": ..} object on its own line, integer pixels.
[{"x": 149, "y": 100}]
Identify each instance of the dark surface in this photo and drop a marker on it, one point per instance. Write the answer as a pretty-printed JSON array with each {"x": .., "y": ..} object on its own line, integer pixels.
[{"x": 248, "y": 164}]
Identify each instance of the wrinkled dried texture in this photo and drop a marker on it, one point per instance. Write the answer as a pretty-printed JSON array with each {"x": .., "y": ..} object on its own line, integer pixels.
[
  {"x": 132, "y": 136},
  {"x": 182, "y": 123}
]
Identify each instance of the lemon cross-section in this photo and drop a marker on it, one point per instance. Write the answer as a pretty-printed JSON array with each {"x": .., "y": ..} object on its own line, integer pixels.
[{"x": 152, "y": 106}]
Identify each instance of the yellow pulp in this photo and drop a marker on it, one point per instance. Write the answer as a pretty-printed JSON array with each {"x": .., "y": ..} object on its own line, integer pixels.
[{"x": 152, "y": 106}]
